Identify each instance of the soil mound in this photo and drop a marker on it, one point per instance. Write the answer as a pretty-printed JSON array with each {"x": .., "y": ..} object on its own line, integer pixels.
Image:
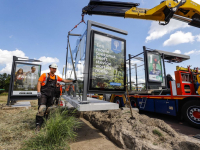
[{"x": 140, "y": 132}]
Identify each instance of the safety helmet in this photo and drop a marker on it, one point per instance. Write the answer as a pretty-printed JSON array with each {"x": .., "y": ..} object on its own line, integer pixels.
[{"x": 53, "y": 66}]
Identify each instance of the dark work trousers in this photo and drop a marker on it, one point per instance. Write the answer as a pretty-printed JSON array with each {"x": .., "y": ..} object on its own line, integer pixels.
[
  {"x": 47, "y": 94},
  {"x": 57, "y": 95}
]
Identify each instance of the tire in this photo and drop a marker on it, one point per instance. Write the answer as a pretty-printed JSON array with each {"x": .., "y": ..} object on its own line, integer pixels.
[
  {"x": 133, "y": 102},
  {"x": 118, "y": 101},
  {"x": 191, "y": 113}
]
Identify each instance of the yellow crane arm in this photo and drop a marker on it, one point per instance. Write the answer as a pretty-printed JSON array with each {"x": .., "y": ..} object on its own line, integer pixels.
[{"x": 185, "y": 10}]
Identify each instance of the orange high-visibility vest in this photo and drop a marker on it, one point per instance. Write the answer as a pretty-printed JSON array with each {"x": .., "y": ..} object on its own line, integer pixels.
[
  {"x": 67, "y": 89},
  {"x": 60, "y": 89}
]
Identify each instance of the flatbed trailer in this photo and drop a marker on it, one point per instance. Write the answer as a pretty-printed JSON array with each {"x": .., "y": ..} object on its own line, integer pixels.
[
  {"x": 180, "y": 98},
  {"x": 185, "y": 107}
]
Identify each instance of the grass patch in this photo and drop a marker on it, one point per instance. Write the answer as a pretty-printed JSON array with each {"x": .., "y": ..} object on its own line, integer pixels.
[
  {"x": 127, "y": 112},
  {"x": 57, "y": 132},
  {"x": 4, "y": 94},
  {"x": 3, "y": 99},
  {"x": 156, "y": 132},
  {"x": 155, "y": 143},
  {"x": 15, "y": 126}
]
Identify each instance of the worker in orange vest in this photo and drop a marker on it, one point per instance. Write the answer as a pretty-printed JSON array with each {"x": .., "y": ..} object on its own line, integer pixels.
[
  {"x": 69, "y": 89},
  {"x": 45, "y": 93}
]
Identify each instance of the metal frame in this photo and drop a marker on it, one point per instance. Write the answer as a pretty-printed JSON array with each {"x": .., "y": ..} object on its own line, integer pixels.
[
  {"x": 165, "y": 56},
  {"x": 88, "y": 45},
  {"x": 129, "y": 59},
  {"x": 93, "y": 90},
  {"x": 15, "y": 71},
  {"x": 149, "y": 83},
  {"x": 69, "y": 50},
  {"x": 160, "y": 55},
  {"x": 12, "y": 98}
]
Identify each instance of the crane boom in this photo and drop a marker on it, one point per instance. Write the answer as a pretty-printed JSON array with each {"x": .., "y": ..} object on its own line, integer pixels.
[{"x": 185, "y": 10}]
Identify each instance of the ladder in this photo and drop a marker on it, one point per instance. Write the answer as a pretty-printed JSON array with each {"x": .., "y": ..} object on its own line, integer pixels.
[{"x": 143, "y": 103}]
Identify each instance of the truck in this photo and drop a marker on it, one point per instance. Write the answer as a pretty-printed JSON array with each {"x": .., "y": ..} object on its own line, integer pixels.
[{"x": 180, "y": 98}]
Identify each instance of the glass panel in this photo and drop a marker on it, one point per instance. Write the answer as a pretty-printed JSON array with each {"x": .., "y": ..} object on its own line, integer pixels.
[
  {"x": 26, "y": 79},
  {"x": 108, "y": 58},
  {"x": 79, "y": 63},
  {"x": 154, "y": 67}
]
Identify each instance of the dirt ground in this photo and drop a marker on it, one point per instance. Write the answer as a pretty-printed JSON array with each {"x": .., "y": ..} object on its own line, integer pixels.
[
  {"x": 139, "y": 132},
  {"x": 90, "y": 138},
  {"x": 114, "y": 130},
  {"x": 18, "y": 124}
]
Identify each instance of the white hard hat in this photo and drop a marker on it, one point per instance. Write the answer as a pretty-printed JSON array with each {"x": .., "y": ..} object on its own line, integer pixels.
[{"x": 53, "y": 66}]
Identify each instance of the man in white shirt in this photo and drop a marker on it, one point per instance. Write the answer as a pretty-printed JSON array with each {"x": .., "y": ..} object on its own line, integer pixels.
[{"x": 32, "y": 79}]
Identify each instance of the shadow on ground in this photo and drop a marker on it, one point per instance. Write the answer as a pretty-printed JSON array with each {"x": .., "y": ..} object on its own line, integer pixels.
[{"x": 179, "y": 126}]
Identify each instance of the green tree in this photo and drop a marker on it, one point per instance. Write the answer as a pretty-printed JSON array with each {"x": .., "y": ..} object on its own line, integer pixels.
[{"x": 5, "y": 81}]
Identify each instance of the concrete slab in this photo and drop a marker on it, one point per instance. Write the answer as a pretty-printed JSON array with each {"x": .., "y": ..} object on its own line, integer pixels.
[
  {"x": 22, "y": 104},
  {"x": 93, "y": 105}
]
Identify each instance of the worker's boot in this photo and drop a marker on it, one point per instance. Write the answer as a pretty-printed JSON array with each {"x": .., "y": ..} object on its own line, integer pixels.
[
  {"x": 39, "y": 122},
  {"x": 37, "y": 129}
]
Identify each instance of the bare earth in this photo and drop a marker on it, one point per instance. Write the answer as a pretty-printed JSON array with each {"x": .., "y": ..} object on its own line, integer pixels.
[
  {"x": 18, "y": 124},
  {"x": 90, "y": 138}
]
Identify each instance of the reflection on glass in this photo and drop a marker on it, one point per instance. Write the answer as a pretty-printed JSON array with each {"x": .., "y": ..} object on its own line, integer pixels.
[
  {"x": 79, "y": 63},
  {"x": 26, "y": 78}
]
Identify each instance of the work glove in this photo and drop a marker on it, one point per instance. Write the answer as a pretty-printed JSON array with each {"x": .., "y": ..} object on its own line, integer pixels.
[
  {"x": 39, "y": 95},
  {"x": 74, "y": 81}
]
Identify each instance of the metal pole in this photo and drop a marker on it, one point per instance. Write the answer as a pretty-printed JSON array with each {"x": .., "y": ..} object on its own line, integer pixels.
[
  {"x": 11, "y": 80},
  {"x": 66, "y": 58},
  {"x": 136, "y": 77},
  {"x": 63, "y": 72},
  {"x": 74, "y": 94},
  {"x": 129, "y": 55},
  {"x": 145, "y": 67},
  {"x": 163, "y": 56},
  {"x": 129, "y": 102},
  {"x": 86, "y": 70}
]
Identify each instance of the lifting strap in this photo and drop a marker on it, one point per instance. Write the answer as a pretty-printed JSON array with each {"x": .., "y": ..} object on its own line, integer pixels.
[
  {"x": 47, "y": 75},
  {"x": 82, "y": 20}
]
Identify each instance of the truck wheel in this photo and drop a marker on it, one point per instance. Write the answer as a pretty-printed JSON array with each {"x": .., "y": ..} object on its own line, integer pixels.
[
  {"x": 191, "y": 113},
  {"x": 118, "y": 101},
  {"x": 133, "y": 102}
]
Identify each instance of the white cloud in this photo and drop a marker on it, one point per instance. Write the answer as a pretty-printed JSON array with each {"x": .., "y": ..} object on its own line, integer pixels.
[
  {"x": 157, "y": 31},
  {"x": 7, "y": 58},
  {"x": 193, "y": 52},
  {"x": 198, "y": 38},
  {"x": 48, "y": 60},
  {"x": 179, "y": 37},
  {"x": 10, "y": 36},
  {"x": 196, "y": 1},
  {"x": 177, "y": 52},
  {"x": 47, "y": 71}
]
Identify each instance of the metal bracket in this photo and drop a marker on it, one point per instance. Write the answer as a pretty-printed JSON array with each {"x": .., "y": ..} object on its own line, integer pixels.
[{"x": 171, "y": 12}]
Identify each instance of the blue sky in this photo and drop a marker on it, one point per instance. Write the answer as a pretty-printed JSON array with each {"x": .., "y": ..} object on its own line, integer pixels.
[{"x": 38, "y": 29}]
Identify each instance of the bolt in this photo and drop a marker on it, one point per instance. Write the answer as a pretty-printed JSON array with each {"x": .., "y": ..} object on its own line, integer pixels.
[{"x": 174, "y": 9}]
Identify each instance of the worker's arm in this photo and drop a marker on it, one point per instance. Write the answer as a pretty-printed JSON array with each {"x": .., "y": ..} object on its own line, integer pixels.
[
  {"x": 67, "y": 81},
  {"x": 39, "y": 86}
]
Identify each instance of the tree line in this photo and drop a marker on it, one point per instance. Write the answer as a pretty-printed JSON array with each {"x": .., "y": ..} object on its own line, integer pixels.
[{"x": 5, "y": 81}]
